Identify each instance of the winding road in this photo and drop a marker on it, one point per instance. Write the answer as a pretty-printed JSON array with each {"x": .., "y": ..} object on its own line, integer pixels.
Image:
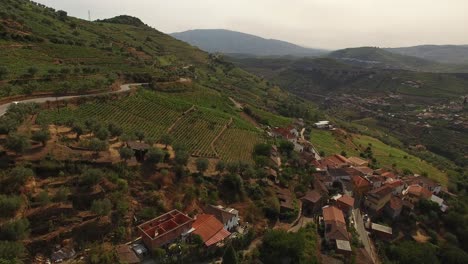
[{"x": 39, "y": 100}]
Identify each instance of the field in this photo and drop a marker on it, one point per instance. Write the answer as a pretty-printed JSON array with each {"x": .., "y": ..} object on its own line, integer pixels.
[
  {"x": 154, "y": 113},
  {"x": 386, "y": 156},
  {"x": 237, "y": 145},
  {"x": 197, "y": 130}
]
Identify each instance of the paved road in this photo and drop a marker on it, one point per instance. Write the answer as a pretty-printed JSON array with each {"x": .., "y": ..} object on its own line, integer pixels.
[
  {"x": 123, "y": 88},
  {"x": 363, "y": 235}
]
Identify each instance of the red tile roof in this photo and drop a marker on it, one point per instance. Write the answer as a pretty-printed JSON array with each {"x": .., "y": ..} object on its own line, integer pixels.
[
  {"x": 394, "y": 184},
  {"x": 364, "y": 170},
  {"x": 210, "y": 229},
  {"x": 331, "y": 213},
  {"x": 312, "y": 196},
  {"x": 419, "y": 191},
  {"x": 360, "y": 182},
  {"x": 346, "y": 199},
  {"x": 395, "y": 203},
  {"x": 334, "y": 161},
  {"x": 357, "y": 161},
  {"x": 389, "y": 174},
  {"x": 381, "y": 191}
]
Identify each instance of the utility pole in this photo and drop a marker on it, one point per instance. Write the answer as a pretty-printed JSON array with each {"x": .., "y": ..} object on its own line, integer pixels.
[{"x": 89, "y": 15}]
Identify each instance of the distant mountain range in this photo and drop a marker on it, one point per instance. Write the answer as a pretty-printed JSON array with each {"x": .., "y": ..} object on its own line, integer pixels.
[
  {"x": 430, "y": 58},
  {"x": 372, "y": 57},
  {"x": 232, "y": 42},
  {"x": 441, "y": 53}
]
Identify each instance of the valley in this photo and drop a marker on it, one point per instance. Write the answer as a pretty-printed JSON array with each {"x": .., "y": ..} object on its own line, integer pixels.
[{"x": 123, "y": 144}]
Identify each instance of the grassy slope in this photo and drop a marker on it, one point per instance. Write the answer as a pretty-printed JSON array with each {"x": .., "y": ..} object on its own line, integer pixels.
[
  {"x": 328, "y": 77},
  {"x": 352, "y": 144},
  {"x": 116, "y": 50}
]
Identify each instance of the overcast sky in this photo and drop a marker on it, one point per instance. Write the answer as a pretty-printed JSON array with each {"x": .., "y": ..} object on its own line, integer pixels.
[{"x": 329, "y": 24}]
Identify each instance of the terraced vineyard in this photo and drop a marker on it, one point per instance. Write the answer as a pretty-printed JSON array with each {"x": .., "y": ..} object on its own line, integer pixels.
[
  {"x": 237, "y": 144},
  {"x": 150, "y": 112},
  {"x": 197, "y": 130}
]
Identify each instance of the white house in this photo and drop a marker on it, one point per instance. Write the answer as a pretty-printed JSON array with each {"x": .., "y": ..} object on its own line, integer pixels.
[
  {"x": 228, "y": 216},
  {"x": 322, "y": 124}
]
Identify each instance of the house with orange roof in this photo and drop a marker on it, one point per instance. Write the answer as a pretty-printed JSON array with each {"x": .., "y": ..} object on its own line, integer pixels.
[
  {"x": 425, "y": 182},
  {"x": 396, "y": 185},
  {"x": 335, "y": 226},
  {"x": 389, "y": 175},
  {"x": 394, "y": 207},
  {"x": 210, "y": 229},
  {"x": 345, "y": 203},
  {"x": 361, "y": 185},
  {"x": 358, "y": 162},
  {"x": 312, "y": 202},
  {"x": 376, "y": 199},
  {"x": 334, "y": 161},
  {"x": 416, "y": 192},
  {"x": 365, "y": 171}
]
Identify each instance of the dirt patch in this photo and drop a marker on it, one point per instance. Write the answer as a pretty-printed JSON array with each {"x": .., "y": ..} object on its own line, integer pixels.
[
  {"x": 249, "y": 119},
  {"x": 421, "y": 236}
]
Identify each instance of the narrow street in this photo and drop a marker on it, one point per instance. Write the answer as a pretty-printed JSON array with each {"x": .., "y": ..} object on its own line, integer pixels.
[{"x": 361, "y": 230}]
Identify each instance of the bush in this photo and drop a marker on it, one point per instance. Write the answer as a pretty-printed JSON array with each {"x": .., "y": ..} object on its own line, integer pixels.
[
  {"x": 9, "y": 205},
  {"x": 11, "y": 252},
  {"x": 15, "y": 230},
  {"x": 17, "y": 143},
  {"x": 101, "y": 207}
]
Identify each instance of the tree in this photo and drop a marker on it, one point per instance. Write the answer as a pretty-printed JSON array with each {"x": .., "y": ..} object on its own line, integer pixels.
[
  {"x": 126, "y": 153},
  {"x": 453, "y": 255},
  {"x": 42, "y": 136},
  {"x": 230, "y": 256},
  {"x": 286, "y": 147},
  {"x": 114, "y": 130},
  {"x": 220, "y": 166},
  {"x": 97, "y": 145},
  {"x": 166, "y": 139},
  {"x": 62, "y": 15},
  {"x": 155, "y": 155},
  {"x": 91, "y": 177},
  {"x": 102, "y": 133},
  {"x": 181, "y": 157},
  {"x": 202, "y": 165},
  {"x": 9, "y": 205},
  {"x": 21, "y": 174},
  {"x": 62, "y": 194},
  {"x": 140, "y": 135},
  {"x": 280, "y": 246},
  {"x": 78, "y": 129},
  {"x": 262, "y": 149},
  {"x": 101, "y": 207},
  {"x": 17, "y": 143},
  {"x": 43, "y": 198},
  {"x": 409, "y": 252},
  {"x": 11, "y": 252},
  {"x": 15, "y": 230}
]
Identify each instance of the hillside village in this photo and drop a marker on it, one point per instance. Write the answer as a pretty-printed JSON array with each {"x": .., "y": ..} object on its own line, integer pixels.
[
  {"x": 352, "y": 205},
  {"x": 156, "y": 152}
]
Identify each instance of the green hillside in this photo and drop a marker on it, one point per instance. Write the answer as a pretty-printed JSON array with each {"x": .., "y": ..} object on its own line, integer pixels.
[
  {"x": 377, "y": 58},
  {"x": 45, "y": 51},
  {"x": 326, "y": 76}
]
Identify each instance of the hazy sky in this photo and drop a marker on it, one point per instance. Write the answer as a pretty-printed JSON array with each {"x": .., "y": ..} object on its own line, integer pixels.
[{"x": 327, "y": 24}]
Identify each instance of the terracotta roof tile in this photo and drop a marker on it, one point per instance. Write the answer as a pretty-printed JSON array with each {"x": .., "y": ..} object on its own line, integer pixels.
[
  {"x": 346, "y": 199},
  {"x": 331, "y": 213},
  {"x": 209, "y": 229}
]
